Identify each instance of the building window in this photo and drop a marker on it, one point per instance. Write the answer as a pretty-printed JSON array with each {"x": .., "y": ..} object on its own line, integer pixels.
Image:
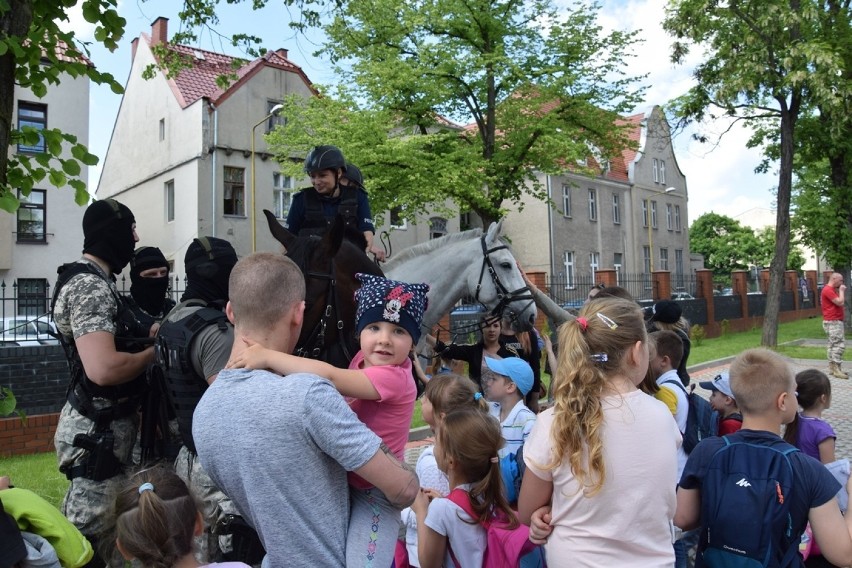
[
  {"x": 656, "y": 170},
  {"x": 654, "y": 214},
  {"x": 669, "y": 217},
  {"x": 32, "y": 298},
  {"x": 662, "y": 171},
  {"x": 569, "y": 270},
  {"x": 616, "y": 209},
  {"x": 646, "y": 262},
  {"x": 170, "y": 200},
  {"x": 32, "y": 217},
  {"x": 664, "y": 259},
  {"x": 566, "y": 200},
  {"x": 593, "y": 205},
  {"x": 282, "y": 194},
  {"x": 679, "y": 268},
  {"x": 465, "y": 221},
  {"x": 618, "y": 265},
  {"x": 437, "y": 227},
  {"x": 275, "y": 119},
  {"x": 677, "y": 218},
  {"x": 235, "y": 191},
  {"x": 594, "y": 263},
  {"x": 162, "y": 129},
  {"x": 34, "y": 116},
  {"x": 644, "y": 212},
  {"x": 397, "y": 221}
]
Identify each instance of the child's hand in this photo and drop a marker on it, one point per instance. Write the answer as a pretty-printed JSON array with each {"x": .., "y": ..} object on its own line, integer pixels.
[
  {"x": 540, "y": 527},
  {"x": 432, "y": 493},
  {"x": 252, "y": 357},
  {"x": 421, "y": 503}
]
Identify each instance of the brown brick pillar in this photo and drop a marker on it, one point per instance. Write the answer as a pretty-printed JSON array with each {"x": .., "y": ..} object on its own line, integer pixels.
[
  {"x": 826, "y": 274},
  {"x": 661, "y": 285},
  {"x": 764, "y": 280},
  {"x": 608, "y": 277},
  {"x": 739, "y": 282},
  {"x": 539, "y": 278},
  {"x": 704, "y": 290},
  {"x": 811, "y": 277},
  {"x": 791, "y": 282}
]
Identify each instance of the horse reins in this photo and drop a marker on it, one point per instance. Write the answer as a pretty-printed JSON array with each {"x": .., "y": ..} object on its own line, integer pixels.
[
  {"x": 504, "y": 296},
  {"x": 314, "y": 343}
]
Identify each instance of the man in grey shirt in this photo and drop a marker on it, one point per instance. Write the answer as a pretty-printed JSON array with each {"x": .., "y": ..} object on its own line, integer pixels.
[{"x": 280, "y": 447}]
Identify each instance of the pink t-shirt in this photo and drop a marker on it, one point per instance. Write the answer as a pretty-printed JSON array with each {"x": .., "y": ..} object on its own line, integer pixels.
[
  {"x": 627, "y": 523},
  {"x": 389, "y": 416}
]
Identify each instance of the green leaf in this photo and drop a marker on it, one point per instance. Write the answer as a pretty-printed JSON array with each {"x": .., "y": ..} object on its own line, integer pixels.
[
  {"x": 3, "y": 47},
  {"x": 90, "y": 12},
  {"x": 57, "y": 178},
  {"x": 71, "y": 167},
  {"x": 8, "y": 202},
  {"x": 7, "y": 401}
]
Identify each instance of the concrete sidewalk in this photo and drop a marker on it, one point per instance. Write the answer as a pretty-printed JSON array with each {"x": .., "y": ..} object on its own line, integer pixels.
[{"x": 839, "y": 415}]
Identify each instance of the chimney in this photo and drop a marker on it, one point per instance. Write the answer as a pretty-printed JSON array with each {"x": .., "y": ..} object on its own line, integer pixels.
[
  {"x": 133, "y": 45},
  {"x": 160, "y": 31},
  {"x": 282, "y": 52}
]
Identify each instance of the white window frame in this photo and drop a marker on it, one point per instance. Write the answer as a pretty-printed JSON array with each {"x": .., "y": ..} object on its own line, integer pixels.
[
  {"x": 677, "y": 218},
  {"x": 618, "y": 265},
  {"x": 568, "y": 260},
  {"x": 669, "y": 220},
  {"x": 566, "y": 200},
  {"x": 654, "y": 214},
  {"x": 645, "y": 216},
  {"x": 282, "y": 192},
  {"x": 169, "y": 199},
  {"x": 616, "y": 209},
  {"x": 593, "y": 204},
  {"x": 663, "y": 172},
  {"x": 594, "y": 263},
  {"x": 655, "y": 170},
  {"x": 664, "y": 258}
]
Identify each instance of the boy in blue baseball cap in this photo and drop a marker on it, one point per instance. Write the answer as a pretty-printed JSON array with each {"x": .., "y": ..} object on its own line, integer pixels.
[{"x": 506, "y": 383}]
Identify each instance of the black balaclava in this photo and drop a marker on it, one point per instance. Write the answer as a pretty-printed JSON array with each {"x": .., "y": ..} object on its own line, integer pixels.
[
  {"x": 208, "y": 263},
  {"x": 149, "y": 293},
  {"x": 108, "y": 233}
]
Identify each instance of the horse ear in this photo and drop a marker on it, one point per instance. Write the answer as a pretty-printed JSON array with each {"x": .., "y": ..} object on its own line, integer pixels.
[
  {"x": 333, "y": 238},
  {"x": 494, "y": 231},
  {"x": 278, "y": 231}
]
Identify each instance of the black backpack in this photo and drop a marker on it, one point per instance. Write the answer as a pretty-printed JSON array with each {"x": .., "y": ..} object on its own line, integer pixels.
[{"x": 699, "y": 420}]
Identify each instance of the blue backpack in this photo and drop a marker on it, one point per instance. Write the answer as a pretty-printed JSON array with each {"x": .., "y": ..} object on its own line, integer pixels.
[
  {"x": 699, "y": 420},
  {"x": 745, "y": 507}
]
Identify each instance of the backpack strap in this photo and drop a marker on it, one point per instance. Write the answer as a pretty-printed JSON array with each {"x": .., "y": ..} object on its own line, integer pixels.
[
  {"x": 461, "y": 498},
  {"x": 678, "y": 383}
]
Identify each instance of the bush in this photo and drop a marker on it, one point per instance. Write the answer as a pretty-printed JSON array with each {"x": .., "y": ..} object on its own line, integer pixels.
[
  {"x": 696, "y": 334},
  {"x": 726, "y": 327}
]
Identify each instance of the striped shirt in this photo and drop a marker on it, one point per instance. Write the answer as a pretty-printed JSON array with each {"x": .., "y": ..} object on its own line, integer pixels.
[{"x": 515, "y": 428}]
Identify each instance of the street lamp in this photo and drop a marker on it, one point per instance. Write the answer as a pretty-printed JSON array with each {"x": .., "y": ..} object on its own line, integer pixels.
[
  {"x": 273, "y": 111},
  {"x": 648, "y": 213}
]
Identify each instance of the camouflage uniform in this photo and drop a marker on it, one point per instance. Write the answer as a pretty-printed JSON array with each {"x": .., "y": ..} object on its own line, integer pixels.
[
  {"x": 836, "y": 340},
  {"x": 86, "y": 304}
]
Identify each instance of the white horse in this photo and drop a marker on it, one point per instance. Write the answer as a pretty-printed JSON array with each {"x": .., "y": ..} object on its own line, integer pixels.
[{"x": 466, "y": 264}]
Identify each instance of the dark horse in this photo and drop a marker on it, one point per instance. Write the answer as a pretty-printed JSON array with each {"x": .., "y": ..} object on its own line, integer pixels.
[{"x": 329, "y": 264}]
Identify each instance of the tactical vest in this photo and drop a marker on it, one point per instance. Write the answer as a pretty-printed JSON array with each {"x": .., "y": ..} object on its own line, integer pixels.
[
  {"x": 81, "y": 390},
  {"x": 173, "y": 365},
  {"x": 316, "y": 223}
]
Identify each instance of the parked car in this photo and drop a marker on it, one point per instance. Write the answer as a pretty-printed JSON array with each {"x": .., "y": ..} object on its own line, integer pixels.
[
  {"x": 682, "y": 296},
  {"x": 21, "y": 331}
]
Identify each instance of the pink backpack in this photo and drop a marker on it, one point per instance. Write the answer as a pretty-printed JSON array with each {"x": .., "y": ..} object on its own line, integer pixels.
[{"x": 505, "y": 547}]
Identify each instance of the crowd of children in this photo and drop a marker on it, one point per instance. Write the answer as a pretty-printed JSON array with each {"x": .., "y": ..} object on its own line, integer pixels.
[{"x": 601, "y": 477}]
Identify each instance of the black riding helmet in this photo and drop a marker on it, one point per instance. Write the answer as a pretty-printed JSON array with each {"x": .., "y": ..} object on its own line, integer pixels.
[
  {"x": 324, "y": 158},
  {"x": 353, "y": 174}
]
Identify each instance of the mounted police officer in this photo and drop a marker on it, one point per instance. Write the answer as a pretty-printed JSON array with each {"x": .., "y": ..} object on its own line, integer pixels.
[
  {"x": 314, "y": 208},
  {"x": 193, "y": 345},
  {"x": 98, "y": 424}
]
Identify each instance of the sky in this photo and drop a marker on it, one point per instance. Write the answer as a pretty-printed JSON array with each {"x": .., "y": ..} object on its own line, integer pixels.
[{"x": 720, "y": 177}]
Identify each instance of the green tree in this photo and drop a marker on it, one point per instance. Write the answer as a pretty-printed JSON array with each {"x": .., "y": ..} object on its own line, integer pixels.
[
  {"x": 766, "y": 60},
  {"x": 725, "y": 244},
  {"x": 535, "y": 100},
  {"x": 766, "y": 250}
]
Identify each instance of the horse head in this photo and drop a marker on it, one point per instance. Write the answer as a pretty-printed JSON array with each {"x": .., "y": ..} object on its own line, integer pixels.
[
  {"x": 504, "y": 292},
  {"x": 329, "y": 264}
]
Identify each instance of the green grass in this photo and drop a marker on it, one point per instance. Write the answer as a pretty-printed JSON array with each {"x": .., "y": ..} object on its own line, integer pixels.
[
  {"x": 733, "y": 343},
  {"x": 38, "y": 473}
]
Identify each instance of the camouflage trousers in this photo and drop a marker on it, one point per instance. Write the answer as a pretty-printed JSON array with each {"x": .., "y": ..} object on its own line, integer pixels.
[
  {"x": 215, "y": 505},
  {"x": 836, "y": 340},
  {"x": 88, "y": 504}
]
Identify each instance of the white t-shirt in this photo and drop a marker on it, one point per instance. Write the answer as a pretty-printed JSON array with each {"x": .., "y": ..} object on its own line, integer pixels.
[
  {"x": 628, "y": 522},
  {"x": 664, "y": 381},
  {"x": 467, "y": 540},
  {"x": 431, "y": 477}
]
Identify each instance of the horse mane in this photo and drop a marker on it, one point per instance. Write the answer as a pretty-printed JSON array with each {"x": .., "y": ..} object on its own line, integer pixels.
[{"x": 429, "y": 246}]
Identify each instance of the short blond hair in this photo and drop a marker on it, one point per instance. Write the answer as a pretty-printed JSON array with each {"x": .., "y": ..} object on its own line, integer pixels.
[
  {"x": 263, "y": 288},
  {"x": 758, "y": 376}
]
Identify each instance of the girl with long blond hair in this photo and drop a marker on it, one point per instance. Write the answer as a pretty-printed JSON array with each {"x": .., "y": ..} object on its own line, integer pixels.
[{"x": 601, "y": 463}]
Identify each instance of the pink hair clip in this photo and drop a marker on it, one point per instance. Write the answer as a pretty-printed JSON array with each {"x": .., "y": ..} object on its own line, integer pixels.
[{"x": 583, "y": 323}]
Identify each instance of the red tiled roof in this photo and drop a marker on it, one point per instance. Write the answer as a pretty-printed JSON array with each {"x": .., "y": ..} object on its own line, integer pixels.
[
  {"x": 619, "y": 167},
  {"x": 199, "y": 80},
  {"x": 62, "y": 54}
]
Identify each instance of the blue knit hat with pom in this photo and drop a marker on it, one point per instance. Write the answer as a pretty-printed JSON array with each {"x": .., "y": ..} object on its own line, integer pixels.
[{"x": 380, "y": 299}]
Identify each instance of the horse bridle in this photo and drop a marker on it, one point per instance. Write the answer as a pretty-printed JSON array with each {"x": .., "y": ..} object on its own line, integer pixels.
[
  {"x": 315, "y": 341},
  {"x": 504, "y": 296}
]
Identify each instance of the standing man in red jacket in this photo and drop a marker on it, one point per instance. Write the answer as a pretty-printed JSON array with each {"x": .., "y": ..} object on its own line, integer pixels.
[{"x": 832, "y": 298}]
